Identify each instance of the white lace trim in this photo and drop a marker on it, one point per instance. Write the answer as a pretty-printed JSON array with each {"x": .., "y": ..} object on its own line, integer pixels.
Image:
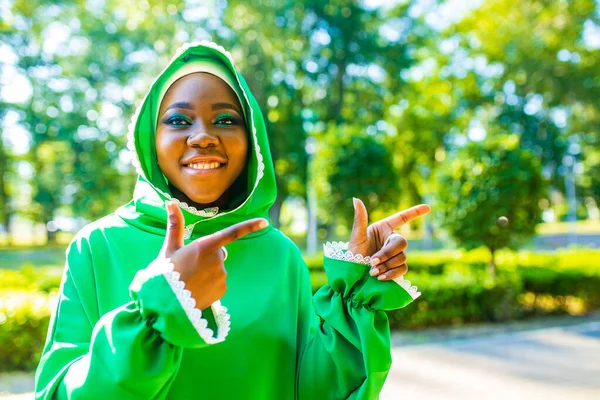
[
  {"x": 187, "y": 231},
  {"x": 405, "y": 283},
  {"x": 165, "y": 267},
  {"x": 205, "y": 212},
  {"x": 339, "y": 251},
  {"x": 135, "y": 161}
]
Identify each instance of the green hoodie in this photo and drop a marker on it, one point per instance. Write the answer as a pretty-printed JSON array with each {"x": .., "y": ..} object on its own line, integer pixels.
[{"x": 124, "y": 330}]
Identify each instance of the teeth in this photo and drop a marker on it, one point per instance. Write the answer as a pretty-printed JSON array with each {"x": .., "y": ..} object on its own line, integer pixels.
[{"x": 211, "y": 165}]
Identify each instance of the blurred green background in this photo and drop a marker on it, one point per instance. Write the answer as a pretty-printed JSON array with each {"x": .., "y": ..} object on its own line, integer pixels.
[{"x": 481, "y": 109}]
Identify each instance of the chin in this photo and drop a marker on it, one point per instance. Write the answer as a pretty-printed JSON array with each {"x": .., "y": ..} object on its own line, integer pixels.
[{"x": 203, "y": 198}]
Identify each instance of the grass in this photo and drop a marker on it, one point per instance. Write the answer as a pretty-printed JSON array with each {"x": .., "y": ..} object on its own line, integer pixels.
[{"x": 34, "y": 256}]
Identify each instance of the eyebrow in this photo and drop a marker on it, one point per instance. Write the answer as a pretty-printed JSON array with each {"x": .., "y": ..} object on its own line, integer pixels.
[
  {"x": 181, "y": 104},
  {"x": 215, "y": 106},
  {"x": 220, "y": 106}
]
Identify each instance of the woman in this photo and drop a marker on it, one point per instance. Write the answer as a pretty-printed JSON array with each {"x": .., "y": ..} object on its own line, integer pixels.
[{"x": 139, "y": 313}]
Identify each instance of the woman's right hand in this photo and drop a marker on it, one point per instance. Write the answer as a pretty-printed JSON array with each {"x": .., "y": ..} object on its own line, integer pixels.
[{"x": 200, "y": 263}]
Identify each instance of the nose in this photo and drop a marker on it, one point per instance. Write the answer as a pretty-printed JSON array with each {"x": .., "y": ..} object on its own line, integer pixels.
[{"x": 202, "y": 139}]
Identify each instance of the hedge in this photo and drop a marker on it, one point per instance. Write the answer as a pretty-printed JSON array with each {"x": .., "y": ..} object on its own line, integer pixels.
[
  {"x": 456, "y": 290},
  {"x": 24, "y": 319}
]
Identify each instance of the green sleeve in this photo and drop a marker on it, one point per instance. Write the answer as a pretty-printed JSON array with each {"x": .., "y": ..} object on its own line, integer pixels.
[
  {"x": 130, "y": 352},
  {"x": 344, "y": 333}
]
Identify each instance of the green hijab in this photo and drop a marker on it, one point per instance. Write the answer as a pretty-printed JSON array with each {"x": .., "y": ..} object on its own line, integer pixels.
[{"x": 147, "y": 208}]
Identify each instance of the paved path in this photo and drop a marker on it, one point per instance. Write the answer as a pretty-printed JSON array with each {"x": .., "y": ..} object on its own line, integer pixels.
[
  {"x": 551, "y": 363},
  {"x": 547, "y": 363}
]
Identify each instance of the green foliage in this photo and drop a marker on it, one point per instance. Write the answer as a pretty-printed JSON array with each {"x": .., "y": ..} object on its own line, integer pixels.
[
  {"x": 314, "y": 263},
  {"x": 351, "y": 163},
  {"x": 485, "y": 181},
  {"x": 522, "y": 67},
  {"x": 27, "y": 296},
  {"x": 29, "y": 278},
  {"x": 544, "y": 59},
  {"x": 459, "y": 298},
  {"x": 24, "y": 319}
]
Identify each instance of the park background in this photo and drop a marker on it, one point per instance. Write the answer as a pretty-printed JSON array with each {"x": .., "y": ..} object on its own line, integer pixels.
[{"x": 481, "y": 109}]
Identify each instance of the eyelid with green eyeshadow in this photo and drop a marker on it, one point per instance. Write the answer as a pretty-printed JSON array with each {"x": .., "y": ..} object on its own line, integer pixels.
[
  {"x": 235, "y": 119},
  {"x": 176, "y": 116}
]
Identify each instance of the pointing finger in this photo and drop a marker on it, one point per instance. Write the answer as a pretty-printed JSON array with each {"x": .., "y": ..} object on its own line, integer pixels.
[
  {"x": 175, "y": 224},
  {"x": 234, "y": 232},
  {"x": 404, "y": 217}
]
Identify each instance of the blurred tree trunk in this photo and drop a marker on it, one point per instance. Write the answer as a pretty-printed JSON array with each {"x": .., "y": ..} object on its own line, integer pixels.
[
  {"x": 50, "y": 234},
  {"x": 492, "y": 264},
  {"x": 5, "y": 212},
  {"x": 335, "y": 112},
  {"x": 275, "y": 212}
]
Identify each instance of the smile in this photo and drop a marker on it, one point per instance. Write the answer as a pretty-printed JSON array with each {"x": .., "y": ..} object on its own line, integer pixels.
[{"x": 208, "y": 165}]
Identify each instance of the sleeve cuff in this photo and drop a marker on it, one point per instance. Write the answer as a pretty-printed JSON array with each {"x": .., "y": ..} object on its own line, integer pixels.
[
  {"x": 380, "y": 294},
  {"x": 178, "y": 319}
]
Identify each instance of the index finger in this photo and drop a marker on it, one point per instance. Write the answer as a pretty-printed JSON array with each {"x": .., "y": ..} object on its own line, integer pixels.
[
  {"x": 404, "y": 217},
  {"x": 234, "y": 232}
]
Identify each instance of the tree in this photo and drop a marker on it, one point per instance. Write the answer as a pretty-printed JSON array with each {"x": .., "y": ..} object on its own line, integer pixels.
[
  {"x": 483, "y": 182},
  {"x": 351, "y": 163},
  {"x": 536, "y": 76}
]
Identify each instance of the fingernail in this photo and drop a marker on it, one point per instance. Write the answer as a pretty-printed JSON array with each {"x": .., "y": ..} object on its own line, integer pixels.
[
  {"x": 381, "y": 277},
  {"x": 354, "y": 199},
  {"x": 374, "y": 261},
  {"x": 168, "y": 205},
  {"x": 374, "y": 271},
  {"x": 263, "y": 224}
]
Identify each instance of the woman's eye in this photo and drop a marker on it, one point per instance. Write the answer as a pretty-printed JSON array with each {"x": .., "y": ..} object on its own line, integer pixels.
[
  {"x": 178, "y": 121},
  {"x": 227, "y": 120}
]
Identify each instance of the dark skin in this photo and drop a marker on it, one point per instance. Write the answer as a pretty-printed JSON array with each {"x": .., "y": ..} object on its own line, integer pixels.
[
  {"x": 388, "y": 261},
  {"x": 201, "y": 140}
]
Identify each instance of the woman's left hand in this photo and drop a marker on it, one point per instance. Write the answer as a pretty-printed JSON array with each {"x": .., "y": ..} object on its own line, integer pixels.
[{"x": 388, "y": 260}]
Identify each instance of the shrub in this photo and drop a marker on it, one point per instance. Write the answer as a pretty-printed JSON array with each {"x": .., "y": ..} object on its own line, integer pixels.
[
  {"x": 486, "y": 180},
  {"x": 314, "y": 263},
  {"x": 24, "y": 319},
  {"x": 569, "y": 291},
  {"x": 457, "y": 298},
  {"x": 30, "y": 278}
]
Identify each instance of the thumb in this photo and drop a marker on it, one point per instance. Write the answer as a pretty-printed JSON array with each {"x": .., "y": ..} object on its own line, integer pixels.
[
  {"x": 361, "y": 222},
  {"x": 175, "y": 225}
]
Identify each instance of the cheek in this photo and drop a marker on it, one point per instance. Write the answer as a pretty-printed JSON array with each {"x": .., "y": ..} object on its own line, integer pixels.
[
  {"x": 238, "y": 146},
  {"x": 166, "y": 149}
]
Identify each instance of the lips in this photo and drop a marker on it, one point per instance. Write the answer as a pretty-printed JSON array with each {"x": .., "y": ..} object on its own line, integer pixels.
[{"x": 204, "y": 163}]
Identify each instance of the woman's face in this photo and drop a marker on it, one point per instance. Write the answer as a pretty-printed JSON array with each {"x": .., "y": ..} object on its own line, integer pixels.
[{"x": 201, "y": 137}]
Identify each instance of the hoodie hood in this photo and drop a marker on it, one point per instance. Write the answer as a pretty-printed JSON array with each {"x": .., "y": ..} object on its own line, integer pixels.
[{"x": 147, "y": 209}]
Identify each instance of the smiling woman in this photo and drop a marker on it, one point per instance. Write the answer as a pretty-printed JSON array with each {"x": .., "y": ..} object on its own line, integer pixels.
[
  {"x": 139, "y": 314},
  {"x": 202, "y": 140}
]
